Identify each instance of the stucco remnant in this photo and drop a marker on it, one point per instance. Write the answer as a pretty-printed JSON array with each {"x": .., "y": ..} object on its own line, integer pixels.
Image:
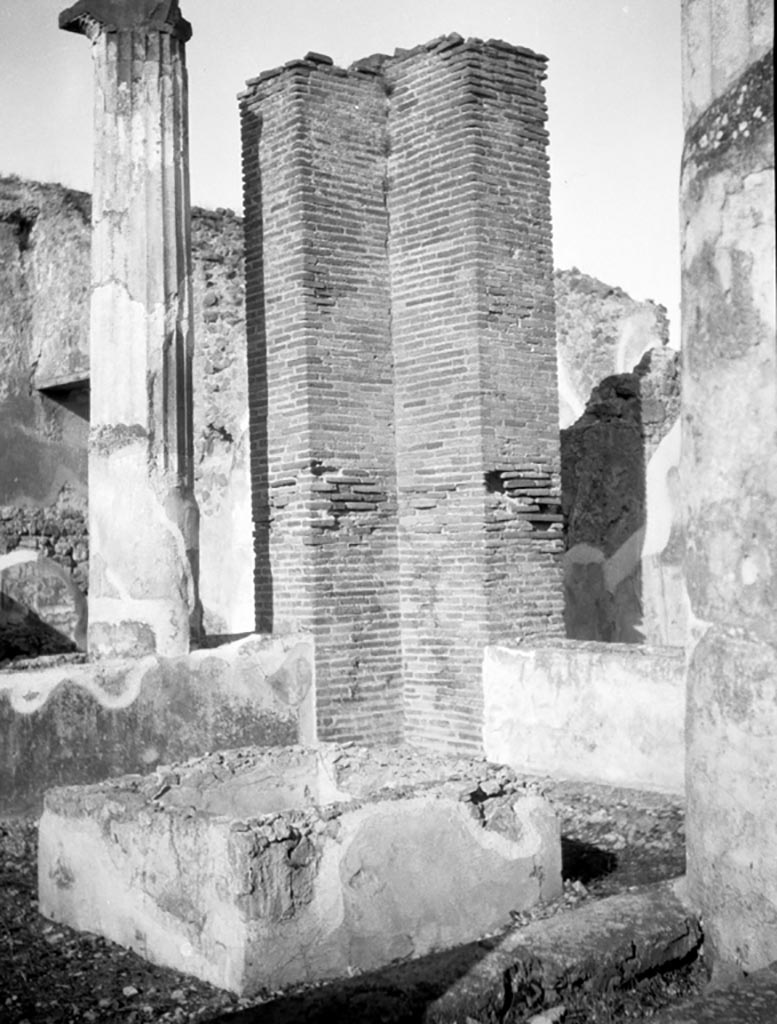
[{"x": 222, "y": 483}]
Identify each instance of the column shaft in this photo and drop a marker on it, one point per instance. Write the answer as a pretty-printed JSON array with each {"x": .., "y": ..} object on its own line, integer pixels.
[
  {"x": 142, "y": 513},
  {"x": 729, "y": 473}
]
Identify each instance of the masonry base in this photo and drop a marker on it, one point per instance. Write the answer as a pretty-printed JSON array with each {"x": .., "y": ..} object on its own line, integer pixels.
[{"x": 258, "y": 868}]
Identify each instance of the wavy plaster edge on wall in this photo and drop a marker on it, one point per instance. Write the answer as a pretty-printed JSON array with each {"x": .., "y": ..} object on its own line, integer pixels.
[{"x": 262, "y": 669}]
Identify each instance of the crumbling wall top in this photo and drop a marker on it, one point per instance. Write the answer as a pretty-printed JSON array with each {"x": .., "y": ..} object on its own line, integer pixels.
[
  {"x": 376, "y": 63},
  {"x": 115, "y": 15}
]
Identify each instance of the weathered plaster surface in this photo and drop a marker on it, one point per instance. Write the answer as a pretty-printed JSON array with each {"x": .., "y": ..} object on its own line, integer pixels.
[
  {"x": 74, "y": 722},
  {"x": 729, "y": 469},
  {"x": 720, "y": 39},
  {"x": 304, "y": 892},
  {"x": 600, "y": 712}
]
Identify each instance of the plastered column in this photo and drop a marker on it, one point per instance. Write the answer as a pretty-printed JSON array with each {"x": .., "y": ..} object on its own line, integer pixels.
[
  {"x": 142, "y": 513},
  {"x": 729, "y": 475}
]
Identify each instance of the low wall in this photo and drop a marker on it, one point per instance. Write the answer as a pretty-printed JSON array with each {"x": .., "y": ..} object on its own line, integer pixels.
[
  {"x": 72, "y": 723},
  {"x": 608, "y": 713}
]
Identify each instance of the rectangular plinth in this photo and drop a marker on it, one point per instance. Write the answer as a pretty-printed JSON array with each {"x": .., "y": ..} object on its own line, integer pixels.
[{"x": 255, "y": 868}]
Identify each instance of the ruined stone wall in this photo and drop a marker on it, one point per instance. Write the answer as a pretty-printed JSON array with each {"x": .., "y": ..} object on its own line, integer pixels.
[
  {"x": 615, "y": 481},
  {"x": 619, "y": 392},
  {"x": 44, "y": 286},
  {"x": 44, "y": 563},
  {"x": 601, "y": 331},
  {"x": 44, "y": 416},
  {"x": 321, "y": 384}
]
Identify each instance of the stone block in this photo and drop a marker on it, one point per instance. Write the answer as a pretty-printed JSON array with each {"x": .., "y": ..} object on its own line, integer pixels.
[{"x": 256, "y": 868}]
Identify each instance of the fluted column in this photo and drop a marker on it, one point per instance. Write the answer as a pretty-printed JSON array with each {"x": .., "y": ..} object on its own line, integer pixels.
[{"x": 143, "y": 519}]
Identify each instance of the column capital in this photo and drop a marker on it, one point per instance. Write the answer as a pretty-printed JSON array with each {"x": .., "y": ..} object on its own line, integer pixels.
[{"x": 114, "y": 15}]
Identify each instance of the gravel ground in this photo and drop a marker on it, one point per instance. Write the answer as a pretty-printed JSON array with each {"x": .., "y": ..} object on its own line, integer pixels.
[{"x": 612, "y": 840}]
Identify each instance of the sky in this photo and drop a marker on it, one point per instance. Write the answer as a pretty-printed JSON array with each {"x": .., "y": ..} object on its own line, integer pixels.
[{"x": 613, "y": 95}]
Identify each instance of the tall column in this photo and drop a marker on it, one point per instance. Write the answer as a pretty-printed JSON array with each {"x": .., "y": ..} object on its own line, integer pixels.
[
  {"x": 729, "y": 475},
  {"x": 142, "y": 514}
]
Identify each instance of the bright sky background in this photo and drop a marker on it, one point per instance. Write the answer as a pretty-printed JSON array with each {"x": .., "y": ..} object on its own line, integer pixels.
[{"x": 613, "y": 93}]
